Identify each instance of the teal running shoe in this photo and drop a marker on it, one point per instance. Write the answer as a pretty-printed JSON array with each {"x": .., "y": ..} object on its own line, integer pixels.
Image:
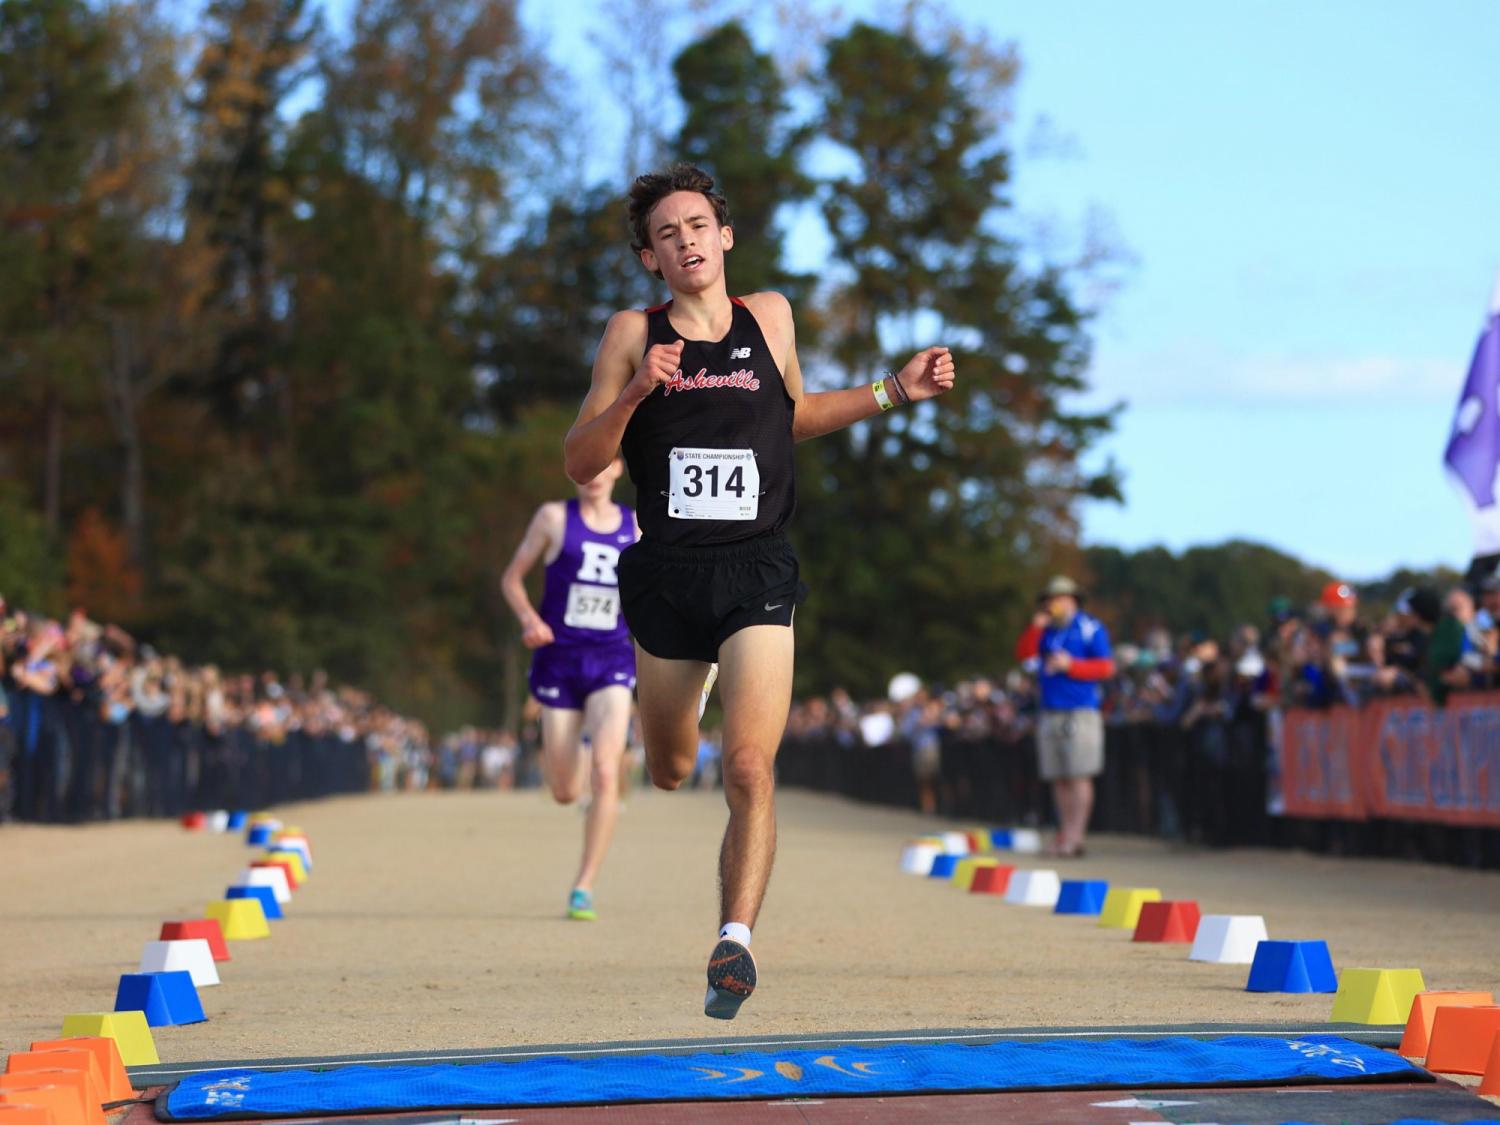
[{"x": 581, "y": 905}]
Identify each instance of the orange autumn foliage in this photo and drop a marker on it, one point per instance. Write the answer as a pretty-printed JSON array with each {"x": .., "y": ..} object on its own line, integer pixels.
[{"x": 101, "y": 578}]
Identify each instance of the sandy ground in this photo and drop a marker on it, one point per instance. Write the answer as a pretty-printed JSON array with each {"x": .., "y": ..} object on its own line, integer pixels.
[{"x": 436, "y": 921}]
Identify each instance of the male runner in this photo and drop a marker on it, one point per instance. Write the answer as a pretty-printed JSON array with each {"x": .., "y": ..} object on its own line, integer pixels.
[
  {"x": 704, "y": 396},
  {"x": 583, "y": 665}
]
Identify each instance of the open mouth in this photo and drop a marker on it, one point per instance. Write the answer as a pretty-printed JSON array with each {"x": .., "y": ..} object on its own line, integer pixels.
[{"x": 691, "y": 262}]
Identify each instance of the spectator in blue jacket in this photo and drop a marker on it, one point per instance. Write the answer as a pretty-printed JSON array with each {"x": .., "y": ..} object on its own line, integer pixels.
[{"x": 1071, "y": 653}]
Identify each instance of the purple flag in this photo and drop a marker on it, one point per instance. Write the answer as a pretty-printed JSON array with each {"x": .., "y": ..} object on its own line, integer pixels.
[{"x": 1473, "y": 454}]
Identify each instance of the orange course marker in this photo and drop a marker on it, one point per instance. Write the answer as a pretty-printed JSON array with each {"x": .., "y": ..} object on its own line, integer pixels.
[
  {"x": 1462, "y": 1039},
  {"x": 85, "y": 1105},
  {"x": 117, "y": 1085},
  {"x": 61, "y": 1102},
  {"x": 70, "y": 1058},
  {"x": 28, "y": 1115},
  {"x": 1490, "y": 1087},
  {"x": 1424, "y": 1007}
]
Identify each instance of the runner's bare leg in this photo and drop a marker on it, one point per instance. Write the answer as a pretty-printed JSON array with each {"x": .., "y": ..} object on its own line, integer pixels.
[
  {"x": 606, "y": 716},
  {"x": 667, "y": 694},
  {"x": 755, "y": 682},
  {"x": 562, "y": 751}
]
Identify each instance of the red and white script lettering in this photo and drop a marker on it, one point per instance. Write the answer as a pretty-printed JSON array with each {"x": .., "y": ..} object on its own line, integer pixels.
[{"x": 703, "y": 381}]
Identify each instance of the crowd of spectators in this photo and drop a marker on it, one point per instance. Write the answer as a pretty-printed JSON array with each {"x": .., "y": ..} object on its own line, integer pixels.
[
  {"x": 1430, "y": 644},
  {"x": 478, "y": 758},
  {"x": 95, "y": 725}
]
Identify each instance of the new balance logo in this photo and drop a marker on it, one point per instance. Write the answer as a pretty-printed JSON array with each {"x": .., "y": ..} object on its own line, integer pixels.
[{"x": 739, "y": 353}]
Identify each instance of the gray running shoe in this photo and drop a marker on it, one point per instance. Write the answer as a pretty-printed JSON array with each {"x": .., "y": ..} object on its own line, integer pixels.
[{"x": 731, "y": 980}]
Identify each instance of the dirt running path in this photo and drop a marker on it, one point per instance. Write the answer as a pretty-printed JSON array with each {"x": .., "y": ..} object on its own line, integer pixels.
[{"x": 435, "y": 921}]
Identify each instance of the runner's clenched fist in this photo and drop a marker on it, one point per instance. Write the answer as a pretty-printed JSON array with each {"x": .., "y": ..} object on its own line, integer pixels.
[{"x": 660, "y": 363}]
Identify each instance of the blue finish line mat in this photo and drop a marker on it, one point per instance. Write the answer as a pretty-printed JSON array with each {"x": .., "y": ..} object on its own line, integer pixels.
[{"x": 852, "y": 1071}]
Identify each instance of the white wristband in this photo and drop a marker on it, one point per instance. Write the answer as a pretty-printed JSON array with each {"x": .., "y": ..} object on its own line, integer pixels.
[{"x": 881, "y": 397}]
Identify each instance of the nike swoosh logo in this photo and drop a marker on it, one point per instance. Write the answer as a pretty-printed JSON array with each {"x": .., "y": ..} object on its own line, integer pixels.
[{"x": 770, "y": 607}]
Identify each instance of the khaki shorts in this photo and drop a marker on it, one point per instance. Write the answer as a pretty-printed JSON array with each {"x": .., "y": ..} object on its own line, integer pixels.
[
  {"x": 1070, "y": 744},
  {"x": 926, "y": 760}
]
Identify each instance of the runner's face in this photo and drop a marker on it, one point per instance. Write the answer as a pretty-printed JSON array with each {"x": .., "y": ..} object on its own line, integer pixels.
[{"x": 687, "y": 242}]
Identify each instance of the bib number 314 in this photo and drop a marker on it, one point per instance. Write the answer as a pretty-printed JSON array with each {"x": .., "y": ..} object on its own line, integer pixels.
[{"x": 713, "y": 484}]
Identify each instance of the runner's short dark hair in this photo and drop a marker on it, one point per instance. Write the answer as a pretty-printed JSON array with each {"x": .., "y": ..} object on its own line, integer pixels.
[{"x": 653, "y": 187}]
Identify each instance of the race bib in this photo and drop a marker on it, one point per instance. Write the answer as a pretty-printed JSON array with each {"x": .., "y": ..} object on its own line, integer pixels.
[
  {"x": 713, "y": 484},
  {"x": 592, "y": 607}
]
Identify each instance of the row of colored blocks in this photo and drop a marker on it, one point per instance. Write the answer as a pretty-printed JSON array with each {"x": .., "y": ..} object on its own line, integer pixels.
[
  {"x": 1275, "y": 966},
  {"x": 69, "y": 1081},
  {"x": 1373, "y": 996},
  {"x": 920, "y": 853},
  {"x": 260, "y": 830},
  {"x": 216, "y": 820},
  {"x": 175, "y": 967},
  {"x": 164, "y": 992}
]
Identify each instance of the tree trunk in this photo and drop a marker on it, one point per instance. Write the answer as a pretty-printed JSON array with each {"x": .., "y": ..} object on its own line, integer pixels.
[
  {"x": 133, "y": 488},
  {"x": 122, "y": 403},
  {"x": 52, "y": 465}
]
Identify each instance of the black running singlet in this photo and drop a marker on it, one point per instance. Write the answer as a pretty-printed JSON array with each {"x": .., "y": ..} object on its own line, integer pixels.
[{"x": 710, "y": 451}]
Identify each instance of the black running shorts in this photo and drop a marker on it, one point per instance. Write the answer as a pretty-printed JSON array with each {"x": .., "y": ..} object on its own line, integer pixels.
[{"x": 682, "y": 603}]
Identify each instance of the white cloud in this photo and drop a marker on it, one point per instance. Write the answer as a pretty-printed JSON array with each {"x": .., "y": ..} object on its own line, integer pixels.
[{"x": 1198, "y": 372}]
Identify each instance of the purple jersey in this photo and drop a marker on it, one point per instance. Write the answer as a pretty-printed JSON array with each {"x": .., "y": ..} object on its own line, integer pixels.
[{"x": 581, "y": 597}]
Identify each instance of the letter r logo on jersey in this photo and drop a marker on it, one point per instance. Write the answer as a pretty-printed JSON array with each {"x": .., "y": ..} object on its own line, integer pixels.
[{"x": 599, "y": 562}]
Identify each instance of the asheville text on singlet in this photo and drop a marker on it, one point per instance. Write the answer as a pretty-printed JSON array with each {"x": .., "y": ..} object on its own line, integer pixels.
[{"x": 710, "y": 451}]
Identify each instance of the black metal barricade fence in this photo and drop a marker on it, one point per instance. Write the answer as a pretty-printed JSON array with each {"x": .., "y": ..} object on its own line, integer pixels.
[
  {"x": 64, "y": 761},
  {"x": 1207, "y": 785}
]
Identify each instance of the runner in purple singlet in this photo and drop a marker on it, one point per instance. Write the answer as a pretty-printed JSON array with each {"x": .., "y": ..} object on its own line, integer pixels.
[{"x": 583, "y": 664}]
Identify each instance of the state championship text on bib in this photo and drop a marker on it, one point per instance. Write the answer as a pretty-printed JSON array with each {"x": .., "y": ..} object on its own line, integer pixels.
[
  {"x": 713, "y": 484},
  {"x": 592, "y": 607}
]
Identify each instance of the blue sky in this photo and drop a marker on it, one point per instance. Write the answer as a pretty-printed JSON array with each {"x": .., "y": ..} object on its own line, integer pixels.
[
  {"x": 1313, "y": 195},
  {"x": 1311, "y": 192}
]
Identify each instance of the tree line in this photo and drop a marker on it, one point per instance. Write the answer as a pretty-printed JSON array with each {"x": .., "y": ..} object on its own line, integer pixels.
[{"x": 293, "y": 321}]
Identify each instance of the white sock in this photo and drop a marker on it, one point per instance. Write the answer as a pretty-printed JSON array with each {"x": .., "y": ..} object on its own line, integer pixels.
[{"x": 736, "y": 931}]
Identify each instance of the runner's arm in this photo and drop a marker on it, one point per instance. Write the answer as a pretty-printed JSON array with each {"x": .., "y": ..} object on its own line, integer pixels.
[
  {"x": 620, "y": 384},
  {"x": 927, "y": 374},
  {"x": 540, "y": 538}
]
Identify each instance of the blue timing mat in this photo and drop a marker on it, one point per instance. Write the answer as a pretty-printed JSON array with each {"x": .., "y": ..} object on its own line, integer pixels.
[{"x": 849, "y": 1071}]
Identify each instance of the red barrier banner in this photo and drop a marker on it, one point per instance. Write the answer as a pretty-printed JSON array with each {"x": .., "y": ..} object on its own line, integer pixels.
[
  {"x": 1396, "y": 759},
  {"x": 1438, "y": 764},
  {"x": 1320, "y": 764}
]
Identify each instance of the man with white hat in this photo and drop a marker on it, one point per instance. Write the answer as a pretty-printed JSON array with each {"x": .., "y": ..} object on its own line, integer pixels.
[{"x": 1070, "y": 652}]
